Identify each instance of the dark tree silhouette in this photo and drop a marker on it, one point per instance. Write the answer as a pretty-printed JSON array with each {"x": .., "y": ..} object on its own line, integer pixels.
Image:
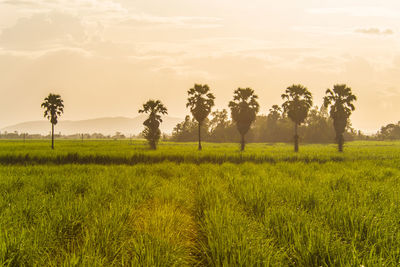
[
  {"x": 53, "y": 108},
  {"x": 219, "y": 120},
  {"x": 390, "y": 131},
  {"x": 387, "y": 132},
  {"x": 298, "y": 103},
  {"x": 200, "y": 102},
  {"x": 340, "y": 100},
  {"x": 185, "y": 131},
  {"x": 272, "y": 129},
  {"x": 275, "y": 113},
  {"x": 221, "y": 128},
  {"x": 244, "y": 109},
  {"x": 151, "y": 131}
]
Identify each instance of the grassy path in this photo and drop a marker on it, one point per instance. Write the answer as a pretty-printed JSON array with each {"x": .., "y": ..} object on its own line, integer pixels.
[{"x": 166, "y": 223}]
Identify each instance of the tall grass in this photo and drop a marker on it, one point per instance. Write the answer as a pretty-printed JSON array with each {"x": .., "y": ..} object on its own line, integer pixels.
[
  {"x": 124, "y": 152},
  {"x": 168, "y": 214},
  {"x": 94, "y": 216}
]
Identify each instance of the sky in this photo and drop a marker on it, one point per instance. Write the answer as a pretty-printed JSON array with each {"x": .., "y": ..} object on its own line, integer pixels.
[{"x": 107, "y": 57}]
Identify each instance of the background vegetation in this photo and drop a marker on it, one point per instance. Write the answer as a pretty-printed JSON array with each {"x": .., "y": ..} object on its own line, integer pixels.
[{"x": 274, "y": 127}]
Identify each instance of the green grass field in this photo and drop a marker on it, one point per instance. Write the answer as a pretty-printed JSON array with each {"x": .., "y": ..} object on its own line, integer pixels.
[{"x": 102, "y": 203}]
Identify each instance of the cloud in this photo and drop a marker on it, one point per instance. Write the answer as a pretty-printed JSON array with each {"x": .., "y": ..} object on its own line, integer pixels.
[
  {"x": 375, "y": 31},
  {"x": 175, "y": 21},
  {"x": 18, "y": 2},
  {"x": 327, "y": 64},
  {"x": 357, "y": 11},
  {"x": 396, "y": 62},
  {"x": 112, "y": 12},
  {"x": 104, "y": 9},
  {"x": 44, "y": 31}
]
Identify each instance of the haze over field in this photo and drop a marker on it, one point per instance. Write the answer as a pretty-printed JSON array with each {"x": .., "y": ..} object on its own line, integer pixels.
[
  {"x": 107, "y": 57},
  {"x": 107, "y": 126}
]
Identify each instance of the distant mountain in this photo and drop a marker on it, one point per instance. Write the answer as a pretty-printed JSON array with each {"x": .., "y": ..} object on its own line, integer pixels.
[{"x": 106, "y": 126}]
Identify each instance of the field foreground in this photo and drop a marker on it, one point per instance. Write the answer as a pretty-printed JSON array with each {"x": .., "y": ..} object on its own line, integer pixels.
[{"x": 264, "y": 207}]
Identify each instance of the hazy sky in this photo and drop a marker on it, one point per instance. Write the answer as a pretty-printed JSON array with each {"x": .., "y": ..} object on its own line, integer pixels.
[{"x": 106, "y": 57}]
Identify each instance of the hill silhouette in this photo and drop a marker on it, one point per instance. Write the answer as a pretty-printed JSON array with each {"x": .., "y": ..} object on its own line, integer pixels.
[{"x": 106, "y": 126}]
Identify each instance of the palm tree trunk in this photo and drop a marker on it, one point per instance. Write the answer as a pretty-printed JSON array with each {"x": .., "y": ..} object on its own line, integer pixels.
[
  {"x": 242, "y": 143},
  {"x": 200, "y": 136},
  {"x": 340, "y": 143},
  {"x": 296, "y": 139},
  {"x": 52, "y": 136}
]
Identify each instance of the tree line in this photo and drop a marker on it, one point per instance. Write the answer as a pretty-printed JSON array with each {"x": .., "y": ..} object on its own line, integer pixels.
[
  {"x": 15, "y": 135},
  {"x": 295, "y": 110},
  {"x": 275, "y": 127},
  {"x": 244, "y": 108},
  {"x": 389, "y": 132},
  {"x": 331, "y": 121}
]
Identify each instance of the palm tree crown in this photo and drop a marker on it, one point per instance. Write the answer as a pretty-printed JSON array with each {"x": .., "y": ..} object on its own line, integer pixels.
[
  {"x": 54, "y": 107},
  {"x": 154, "y": 108},
  {"x": 341, "y": 101},
  {"x": 244, "y": 108},
  {"x": 298, "y": 103},
  {"x": 200, "y": 101}
]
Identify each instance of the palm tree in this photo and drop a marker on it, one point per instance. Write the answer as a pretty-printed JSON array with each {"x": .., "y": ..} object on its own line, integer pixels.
[
  {"x": 298, "y": 103},
  {"x": 53, "y": 108},
  {"x": 244, "y": 109},
  {"x": 151, "y": 131},
  {"x": 200, "y": 102},
  {"x": 340, "y": 100}
]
